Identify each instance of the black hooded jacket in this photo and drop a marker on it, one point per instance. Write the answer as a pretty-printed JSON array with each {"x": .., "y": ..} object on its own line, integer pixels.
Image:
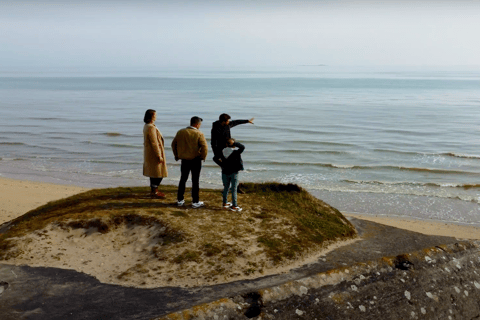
[
  {"x": 220, "y": 134},
  {"x": 233, "y": 163}
]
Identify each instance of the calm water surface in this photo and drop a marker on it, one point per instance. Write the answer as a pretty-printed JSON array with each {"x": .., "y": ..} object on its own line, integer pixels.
[{"x": 403, "y": 144}]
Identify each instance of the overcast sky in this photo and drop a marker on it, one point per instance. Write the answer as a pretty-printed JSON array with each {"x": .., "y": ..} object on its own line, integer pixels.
[{"x": 233, "y": 33}]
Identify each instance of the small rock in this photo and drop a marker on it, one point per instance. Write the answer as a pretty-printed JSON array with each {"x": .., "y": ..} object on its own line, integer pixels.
[
  {"x": 407, "y": 295},
  {"x": 362, "y": 308},
  {"x": 299, "y": 312},
  {"x": 303, "y": 290}
]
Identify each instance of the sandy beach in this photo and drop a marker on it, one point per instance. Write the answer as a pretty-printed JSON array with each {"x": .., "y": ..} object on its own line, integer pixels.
[{"x": 18, "y": 197}]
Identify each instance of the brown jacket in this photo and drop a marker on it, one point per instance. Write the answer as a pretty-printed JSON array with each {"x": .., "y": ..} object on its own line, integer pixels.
[
  {"x": 153, "y": 152},
  {"x": 189, "y": 143}
]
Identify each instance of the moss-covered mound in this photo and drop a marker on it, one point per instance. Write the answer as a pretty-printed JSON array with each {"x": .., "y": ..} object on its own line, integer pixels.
[{"x": 279, "y": 225}]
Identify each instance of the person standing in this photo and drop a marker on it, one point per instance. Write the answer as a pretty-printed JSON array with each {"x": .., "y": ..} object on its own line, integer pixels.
[
  {"x": 221, "y": 133},
  {"x": 190, "y": 146},
  {"x": 231, "y": 164},
  {"x": 154, "y": 163}
]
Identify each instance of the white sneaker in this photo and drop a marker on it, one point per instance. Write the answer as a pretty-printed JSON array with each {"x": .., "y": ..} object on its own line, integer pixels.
[
  {"x": 227, "y": 205},
  {"x": 181, "y": 203},
  {"x": 236, "y": 209},
  {"x": 198, "y": 204}
]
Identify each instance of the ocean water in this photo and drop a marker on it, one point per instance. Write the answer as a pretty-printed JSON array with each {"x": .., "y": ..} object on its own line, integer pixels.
[{"x": 386, "y": 143}]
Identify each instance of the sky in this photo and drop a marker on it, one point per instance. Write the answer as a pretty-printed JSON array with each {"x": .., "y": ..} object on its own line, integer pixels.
[{"x": 237, "y": 34}]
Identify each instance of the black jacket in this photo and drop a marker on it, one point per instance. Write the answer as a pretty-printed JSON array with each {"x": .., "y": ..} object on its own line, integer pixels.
[
  {"x": 220, "y": 134},
  {"x": 234, "y": 162}
]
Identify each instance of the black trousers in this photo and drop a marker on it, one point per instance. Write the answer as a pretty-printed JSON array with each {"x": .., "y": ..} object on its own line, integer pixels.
[
  {"x": 217, "y": 154},
  {"x": 187, "y": 166},
  {"x": 155, "y": 182}
]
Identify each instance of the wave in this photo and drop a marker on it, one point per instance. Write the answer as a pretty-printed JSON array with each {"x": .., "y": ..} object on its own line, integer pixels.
[
  {"x": 275, "y": 129},
  {"x": 407, "y": 192},
  {"x": 311, "y": 151},
  {"x": 444, "y": 154},
  {"x": 12, "y": 143},
  {"x": 415, "y": 184},
  {"x": 47, "y": 119},
  {"x": 112, "y": 134},
  {"x": 358, "y": 167},
  {"x": 12, "y": 159},
  {"x": 460, "y": 155},
  {"x": 113, "y": 162},
  {"x": 115, "y": 145}
]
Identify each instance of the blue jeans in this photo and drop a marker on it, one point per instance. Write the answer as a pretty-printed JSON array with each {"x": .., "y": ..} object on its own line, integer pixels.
[{"x": 230, "y": 181}]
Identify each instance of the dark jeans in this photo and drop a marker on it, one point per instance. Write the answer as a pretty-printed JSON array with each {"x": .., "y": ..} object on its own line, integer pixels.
[
  {"x": 195, "y": 166},
  {"x": 155, "y": 182}
]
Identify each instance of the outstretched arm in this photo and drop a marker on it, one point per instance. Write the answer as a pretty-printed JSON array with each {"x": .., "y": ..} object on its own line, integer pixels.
[{"x": 237, "y": 122}]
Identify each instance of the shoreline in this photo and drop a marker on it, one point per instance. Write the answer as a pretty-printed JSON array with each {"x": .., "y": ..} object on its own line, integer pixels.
[{"x": 20, "y": 196}]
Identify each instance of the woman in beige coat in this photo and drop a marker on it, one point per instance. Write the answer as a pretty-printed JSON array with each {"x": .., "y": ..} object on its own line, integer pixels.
[{"x": 154, "y": 162}]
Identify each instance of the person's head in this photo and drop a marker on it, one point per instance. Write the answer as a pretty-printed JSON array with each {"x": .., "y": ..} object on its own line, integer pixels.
[
  {"x": 224, "y": 119},
  {"x": 230, "y": 143},
  {"x": 150, "y": 116},
  {"x": 196, "y": 122}
]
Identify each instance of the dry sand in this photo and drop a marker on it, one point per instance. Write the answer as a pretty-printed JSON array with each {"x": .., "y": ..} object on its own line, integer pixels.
[
  {"x": 108, "y": 256},
  {"x": 17, "y": 197}
]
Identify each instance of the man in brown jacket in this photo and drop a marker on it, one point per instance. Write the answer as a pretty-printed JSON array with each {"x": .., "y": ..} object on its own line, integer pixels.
[{"x": 190, "y": 146}]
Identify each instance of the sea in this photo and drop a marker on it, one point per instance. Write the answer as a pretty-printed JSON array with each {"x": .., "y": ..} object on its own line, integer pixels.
[{"x": 400, "y": 143}]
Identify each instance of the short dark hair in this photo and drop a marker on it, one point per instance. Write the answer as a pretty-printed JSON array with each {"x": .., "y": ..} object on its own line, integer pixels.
[
  {"x": 149, "y": 115},
  {"x": 224, "y": 117},
  {"x": 195, "y": 120},
  {"x": 230, "y": 142}
]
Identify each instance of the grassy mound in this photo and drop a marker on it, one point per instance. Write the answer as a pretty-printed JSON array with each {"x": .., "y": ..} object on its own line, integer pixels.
[{"x": 279, "y": 224}]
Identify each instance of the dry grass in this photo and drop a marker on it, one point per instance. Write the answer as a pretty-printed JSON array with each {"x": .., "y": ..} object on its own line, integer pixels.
[{"x": 279, "y": 224}]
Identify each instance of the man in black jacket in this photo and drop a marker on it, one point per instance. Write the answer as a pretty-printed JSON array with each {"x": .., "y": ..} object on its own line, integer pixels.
[{"x": 221, "y": 134}]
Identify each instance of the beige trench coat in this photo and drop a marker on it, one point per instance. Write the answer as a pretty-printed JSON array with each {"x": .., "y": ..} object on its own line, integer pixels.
[{"x": 153, "y": 151}]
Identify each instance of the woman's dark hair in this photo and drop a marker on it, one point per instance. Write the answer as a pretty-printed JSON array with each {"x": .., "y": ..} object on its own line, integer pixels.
[{"x": 149, "y": 115}]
